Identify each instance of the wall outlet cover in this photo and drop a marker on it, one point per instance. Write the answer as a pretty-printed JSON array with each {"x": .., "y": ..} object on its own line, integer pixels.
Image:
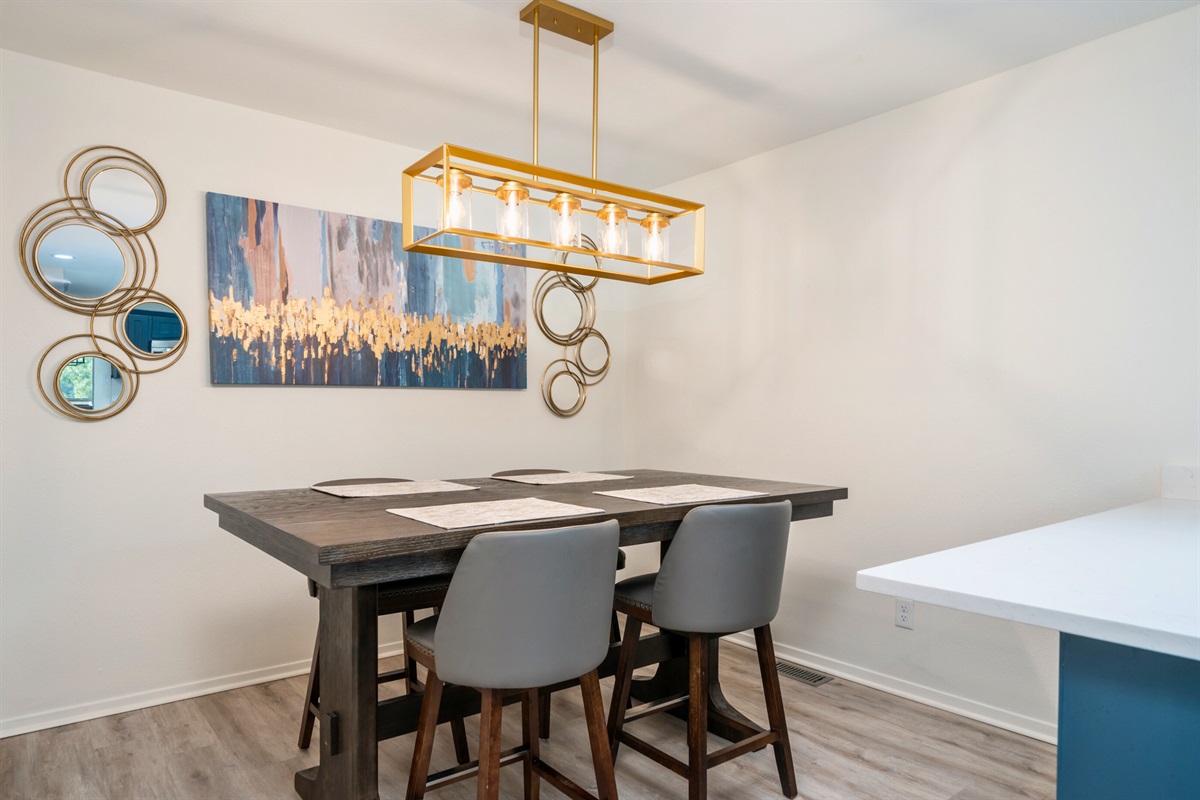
[{"x": 1180, "y": 483}]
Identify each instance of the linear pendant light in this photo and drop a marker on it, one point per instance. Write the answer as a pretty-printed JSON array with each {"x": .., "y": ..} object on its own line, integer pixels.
[{"x": 541, "y": 217}]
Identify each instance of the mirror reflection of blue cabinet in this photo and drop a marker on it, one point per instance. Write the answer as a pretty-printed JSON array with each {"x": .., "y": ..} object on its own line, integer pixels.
[{"x": 151, "y": 330}]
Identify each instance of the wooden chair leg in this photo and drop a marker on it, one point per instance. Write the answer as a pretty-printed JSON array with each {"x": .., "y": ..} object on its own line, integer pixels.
[
  {"x": 593, "y": 711},
  {"x": 426, "y": 728},
  {"x": 775, "y": 717},
  {"x": 697, "y": 716},
  {"x": 311, "y": 696},
  {"x": 458, "y": 730},
  {"x": 623, "y": 682},
  {"x": 489, "y": 744},
  {"x": 544, "y": 713},
  {"x": 411, "y": 684},
  {"x": 531, "y": 740},
  {"x": 614, "y": 630}
]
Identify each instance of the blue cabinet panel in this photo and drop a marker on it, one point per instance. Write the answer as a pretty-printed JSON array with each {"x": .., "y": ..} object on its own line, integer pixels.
[{"x": 1128, "y": 723}]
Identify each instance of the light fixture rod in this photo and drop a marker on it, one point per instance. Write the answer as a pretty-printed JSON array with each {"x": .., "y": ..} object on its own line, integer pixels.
[
  {"x": 595, "y": 95},
  {"x": 575, "y": 24},
  {"x": 537, "y": 27}
]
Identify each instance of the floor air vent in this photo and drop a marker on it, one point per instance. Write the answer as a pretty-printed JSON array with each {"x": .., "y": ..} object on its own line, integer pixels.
[{"x": 802, "y": 674}]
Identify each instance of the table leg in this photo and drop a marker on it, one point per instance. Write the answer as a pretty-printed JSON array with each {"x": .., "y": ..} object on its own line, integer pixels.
[{"x": 349, "y": 745}]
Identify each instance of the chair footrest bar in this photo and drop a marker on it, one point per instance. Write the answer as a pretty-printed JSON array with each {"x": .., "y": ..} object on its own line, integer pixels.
[
  {"x": 471, "y": 769},
  {"x": 655, "y": 707},
  {"x": 652, "y": 752},
  {"x": 756, "y": 742},
  {"x": 561, "y": 782},
  {"x": 392, "y": 675},
  {"x": 738, "y": 725}
]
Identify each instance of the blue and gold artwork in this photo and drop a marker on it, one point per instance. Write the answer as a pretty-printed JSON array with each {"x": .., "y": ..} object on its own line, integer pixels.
[{"x": 305, "y": 297}]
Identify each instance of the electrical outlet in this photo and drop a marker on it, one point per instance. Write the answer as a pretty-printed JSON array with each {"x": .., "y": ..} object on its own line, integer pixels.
[{"x": 904, "y": 613}]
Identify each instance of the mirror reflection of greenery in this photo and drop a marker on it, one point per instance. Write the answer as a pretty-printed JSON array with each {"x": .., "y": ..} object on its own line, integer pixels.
[{"x": 76, "y": 381}]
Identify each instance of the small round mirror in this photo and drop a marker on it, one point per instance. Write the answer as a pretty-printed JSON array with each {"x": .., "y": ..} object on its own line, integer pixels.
[
  {"x": 153, "y": 328},
  {"x": 90, "y": 383},
  {"x": 80, "y": 261},
  {"x": 124, "y": 195}
]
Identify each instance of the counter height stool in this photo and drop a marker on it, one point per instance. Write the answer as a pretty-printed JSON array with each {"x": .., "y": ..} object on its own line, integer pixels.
[
  {"x": 615, "y": 628},
  {"x": 722, "y": 573},
  {"x": 524, "y": 610},
  {"x": 398, "y": 597}
]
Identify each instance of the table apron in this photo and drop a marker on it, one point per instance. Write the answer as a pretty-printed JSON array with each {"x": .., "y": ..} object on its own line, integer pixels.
[{"x": 443, "y": 562}]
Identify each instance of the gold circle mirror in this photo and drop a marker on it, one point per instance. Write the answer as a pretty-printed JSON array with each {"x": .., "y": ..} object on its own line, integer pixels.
[
  {"x": 125, "y": 195},
  {"x": 152, "y": 329},
  {"x": 86, "y": 384},
  {"x": 90, "y": 382},
  {"x": 115, "y": 182},
  {"x": 80, "y": 261},
  {"x": 89, "y": 252}
]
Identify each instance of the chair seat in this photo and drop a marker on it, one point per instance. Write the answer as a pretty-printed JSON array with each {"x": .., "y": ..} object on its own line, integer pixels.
[
  {"x": 637, "y": 591},
  {"x": 420, "y": 634}
]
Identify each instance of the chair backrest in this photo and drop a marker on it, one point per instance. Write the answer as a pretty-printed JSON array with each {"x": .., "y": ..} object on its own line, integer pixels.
[
  {"x": 530, "y": 608},
  {"x": 724, "y": 569}
]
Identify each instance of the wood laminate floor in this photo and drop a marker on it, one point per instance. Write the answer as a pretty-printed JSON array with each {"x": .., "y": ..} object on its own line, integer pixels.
[{"x": 850, "y": 743}]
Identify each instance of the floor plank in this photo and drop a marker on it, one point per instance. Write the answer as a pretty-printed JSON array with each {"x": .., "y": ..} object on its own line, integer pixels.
[{"x": 850, "y": 743}]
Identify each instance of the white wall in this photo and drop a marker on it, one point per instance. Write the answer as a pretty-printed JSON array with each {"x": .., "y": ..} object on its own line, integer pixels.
[
  {"x": 117, "y": 588},
  {"x": 978, "y": 312}
]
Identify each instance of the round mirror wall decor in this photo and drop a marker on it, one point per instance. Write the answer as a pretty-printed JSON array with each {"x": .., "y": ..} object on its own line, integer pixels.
[
  {"x": 149, "y": 328},
  {"x": 572, "y": 368},
  {"x": 90, "y": 252},
  {"x": 116, "y": 182},
  {"x": 84, "y": 383},
  {"x": 84, "y": 264},
  {"x": 80, "y": 261}
]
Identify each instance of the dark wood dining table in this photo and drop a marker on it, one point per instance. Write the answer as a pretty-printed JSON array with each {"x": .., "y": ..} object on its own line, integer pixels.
[{"x": 349, "y": 546}]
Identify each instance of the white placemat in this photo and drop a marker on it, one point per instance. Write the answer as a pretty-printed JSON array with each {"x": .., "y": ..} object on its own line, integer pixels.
[
  {"x": 550, "y": 478},
  {"x": 683, "y": 493},
  {"x": 492, "y": 512},
  {"x": 393, "y": 488}
]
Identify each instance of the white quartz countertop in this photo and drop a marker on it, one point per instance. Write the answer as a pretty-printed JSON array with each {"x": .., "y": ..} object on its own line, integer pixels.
[{"x": 1129, "y": 576}]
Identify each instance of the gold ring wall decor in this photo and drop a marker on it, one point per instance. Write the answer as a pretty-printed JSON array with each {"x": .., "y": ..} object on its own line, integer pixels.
[
  {"x": 571, "y": 366},
  {"x": 90, "y": 252}
]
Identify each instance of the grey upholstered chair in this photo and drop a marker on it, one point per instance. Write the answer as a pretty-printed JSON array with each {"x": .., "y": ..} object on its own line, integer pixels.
[
  {"x": 615, "y": 629},
  {"x": 722, "y": 573},
  {"x": 398, "y": 597},
  {"x": 524, "y": 610}
]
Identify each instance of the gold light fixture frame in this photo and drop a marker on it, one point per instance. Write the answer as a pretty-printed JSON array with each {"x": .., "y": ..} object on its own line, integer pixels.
[{"x": 489, "y": 172}]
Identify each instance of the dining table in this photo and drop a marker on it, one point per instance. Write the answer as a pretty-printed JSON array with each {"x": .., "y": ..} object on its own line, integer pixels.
[{"x": 350, "y": 545}]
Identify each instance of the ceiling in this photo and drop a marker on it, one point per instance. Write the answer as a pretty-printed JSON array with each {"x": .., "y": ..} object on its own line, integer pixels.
[{"x": 684, "y": 86}]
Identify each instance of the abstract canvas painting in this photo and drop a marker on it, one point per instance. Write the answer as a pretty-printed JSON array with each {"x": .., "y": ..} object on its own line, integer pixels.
[{"x": 305, "y": 297}]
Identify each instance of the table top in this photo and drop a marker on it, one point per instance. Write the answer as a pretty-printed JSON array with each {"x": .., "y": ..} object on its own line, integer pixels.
[
  {"x": 1129, "y": 576},
  {"x": 355, "y": 541}
]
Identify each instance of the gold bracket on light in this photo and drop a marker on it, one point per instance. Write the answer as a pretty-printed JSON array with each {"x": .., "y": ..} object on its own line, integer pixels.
[{"x": 456, "y": 233}]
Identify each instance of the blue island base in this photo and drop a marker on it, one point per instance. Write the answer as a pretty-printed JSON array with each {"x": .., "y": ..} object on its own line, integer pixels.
[{"x": 1128, "y": 723}]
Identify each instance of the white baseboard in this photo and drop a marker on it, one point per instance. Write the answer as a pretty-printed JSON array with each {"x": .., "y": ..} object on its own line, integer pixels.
[
  {"x": 1001, "y": 718},
  {"x": 1018, "y": 723},
  {"x": 15, "y": 726}
]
